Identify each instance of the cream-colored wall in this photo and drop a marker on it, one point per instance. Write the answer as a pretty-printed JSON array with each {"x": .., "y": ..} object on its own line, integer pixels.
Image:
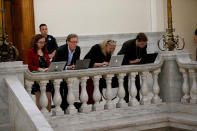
[
  {"x": 90, "y": 17},
  {"x": 184, "y": 21}
]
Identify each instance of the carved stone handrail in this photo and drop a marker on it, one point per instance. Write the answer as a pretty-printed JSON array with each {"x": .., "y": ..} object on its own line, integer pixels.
[
  {"x": 94, "y": 71},
  {"x": 188, "y": 68},
  {"x": 96, "y": 74}
]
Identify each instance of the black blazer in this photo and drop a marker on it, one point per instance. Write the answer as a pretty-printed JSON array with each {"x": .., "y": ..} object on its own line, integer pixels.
[
  {"x": 131, "y": 51},
  {"x": 62, "y": 54},
  {"x": 96, "y": 55}
]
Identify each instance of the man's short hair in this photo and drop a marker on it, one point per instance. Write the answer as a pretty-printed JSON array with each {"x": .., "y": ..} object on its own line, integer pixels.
[
  {"x": 196, "y": 32},
  {"x": 70, "y": 36},
  {"x": 42, "y": 25},
  {"x": 141, "y": 37}
]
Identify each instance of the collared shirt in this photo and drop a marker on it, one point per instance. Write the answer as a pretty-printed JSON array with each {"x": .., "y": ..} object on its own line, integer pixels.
[{"x": 70, "y": 56}]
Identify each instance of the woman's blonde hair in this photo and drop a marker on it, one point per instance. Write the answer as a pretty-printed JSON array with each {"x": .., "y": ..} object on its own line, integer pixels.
[{"x": 105, "y": 43}]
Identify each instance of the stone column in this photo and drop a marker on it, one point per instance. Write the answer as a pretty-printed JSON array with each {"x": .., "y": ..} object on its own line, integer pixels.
[
  {"x": 185, "y": 86},
  {"x": 97, "y": 95},
  {"x": 156, "y": 89},
  {"x": 57, "y": 97},
  {"x": 84, "y": 96},
  {"x": 121, "y": 92},
  {"x": 193, "y": 91},
  {"x": 70, "y": 97},
  {"x": 43, "y": 97},
  {"x": 133, "y": 90},
  {"x": 109, "y": 95},
  {"x": 170, "y": 78}
]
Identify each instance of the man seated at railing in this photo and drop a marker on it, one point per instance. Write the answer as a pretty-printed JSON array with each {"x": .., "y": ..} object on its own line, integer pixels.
[
  {"x": 38, "y": 61},
  {"x": 195, "y": 40},
  {"x": 99, "y": 55},
  {"x": 69, "y": 52},
  {"x": 133, "y": 51}
]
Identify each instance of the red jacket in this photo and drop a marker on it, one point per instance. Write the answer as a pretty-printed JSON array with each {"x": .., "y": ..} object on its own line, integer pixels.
[{"x": 33, "y": 59}]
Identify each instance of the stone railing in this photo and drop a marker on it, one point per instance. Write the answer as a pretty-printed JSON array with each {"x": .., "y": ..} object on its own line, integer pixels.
[
  {"x": 24, "y": 115},
  {"x": 188, "y": 68},
  {"x": 96, "y": 73}
]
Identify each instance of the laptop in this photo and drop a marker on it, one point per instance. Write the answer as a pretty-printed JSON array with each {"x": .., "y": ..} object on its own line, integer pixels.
[
  {"x": 82, "y": 64},
  {"x": 148, "y": 58},
  {"x": 115, "y": 61},
  {"x": 56, "y": 66}
]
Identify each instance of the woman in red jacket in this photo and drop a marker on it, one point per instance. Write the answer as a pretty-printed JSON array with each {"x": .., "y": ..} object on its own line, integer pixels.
[{"x": 38, "y": 61}]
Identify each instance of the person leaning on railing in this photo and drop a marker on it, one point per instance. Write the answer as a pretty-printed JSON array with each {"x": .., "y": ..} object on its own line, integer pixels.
[
  {"x": 38, "y": 61},
  {"x": 133, "y": 51},
  {"x": 69, "y": 52},
  {"x": 99, "y": 55},
  {"x": 195, "y": 40}
]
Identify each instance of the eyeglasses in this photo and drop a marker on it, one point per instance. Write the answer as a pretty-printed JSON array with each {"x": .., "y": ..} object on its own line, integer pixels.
[
  {"x": 73, "y": 42},
  {"x": 42, "y": 42},
  {"x": 111, "y": 41}
]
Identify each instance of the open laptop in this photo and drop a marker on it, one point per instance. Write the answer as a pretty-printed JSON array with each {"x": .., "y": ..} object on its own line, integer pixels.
[
  {"x": 82, "y": 64},
  {"x": 115, "y": 61},
  {"x": 56, "y": 66},
  {"x": 148, "y": 58}
]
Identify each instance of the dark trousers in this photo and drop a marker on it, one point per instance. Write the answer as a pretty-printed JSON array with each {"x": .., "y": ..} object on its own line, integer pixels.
[
  {"x": 137, "y": 83},
  {"x": 63, "y": 93}
]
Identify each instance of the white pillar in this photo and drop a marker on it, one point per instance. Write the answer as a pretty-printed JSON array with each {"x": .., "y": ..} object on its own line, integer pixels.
[
  {"x": 109, "y": 94},
  {"x": 97, "y": 95},
  {"x": 29, "y": 85},
  {"x": 70, "y": 97},
  {"x": 57, "y": 97},
  {"x": 185, "y": 86},
  {"x": 121, "y": 92},
  {"x": 132, "y": 89},
  {"x": 156, "y": 99},
  {"x": 84, "y": 96},
  {"x": 43, "y": 97},
  {"x": 193, "y": 91},
  {"x": 144, "y": 89}
]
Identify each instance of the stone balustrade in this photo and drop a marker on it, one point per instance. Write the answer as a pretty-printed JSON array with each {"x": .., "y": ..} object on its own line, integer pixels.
[
  {"x": 188, "y": 68},
  {"x": 96, "y": 73}
]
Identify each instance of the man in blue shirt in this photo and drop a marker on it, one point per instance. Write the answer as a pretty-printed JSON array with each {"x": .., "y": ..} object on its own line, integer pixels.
[{"x": 69, "y": 52}]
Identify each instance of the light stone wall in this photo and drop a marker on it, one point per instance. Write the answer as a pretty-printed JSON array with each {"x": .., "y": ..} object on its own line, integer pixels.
[
  {"x": 24, "y": 114},
  {"x": 95, "y": 17},
  {"x": 8, "y": 69}
]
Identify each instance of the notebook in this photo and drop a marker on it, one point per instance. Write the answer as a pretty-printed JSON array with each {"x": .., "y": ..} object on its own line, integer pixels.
[{"x": 56, "y": 66}]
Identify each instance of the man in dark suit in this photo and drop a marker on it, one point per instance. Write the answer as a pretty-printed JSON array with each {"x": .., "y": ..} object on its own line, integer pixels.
[
  {"x": 69, "y": 52},
  {"x": 133, "y": 51},
  {"x": 51, "y": 41}
]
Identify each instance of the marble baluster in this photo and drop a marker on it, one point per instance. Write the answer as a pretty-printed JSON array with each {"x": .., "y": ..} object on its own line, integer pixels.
[
  {"x": 97, "y": 95},
  {"x": 185, "y": 86},
  {"x": 156, "y": 90},
  {"x": 132, "y": 90},
  {"x": 84, "y": 96},
  {"x": 121, "y": 91},
  {"x": 144, "y": 89},
  {"x": 43, "y": 97},
  {"x": 70, "y": 97},
  {"x": 29, "y": 85},
  {"x": 57, "y": 97},
  {"x": 109, "y": 94},
  {"x": 193, "y": 91}
]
